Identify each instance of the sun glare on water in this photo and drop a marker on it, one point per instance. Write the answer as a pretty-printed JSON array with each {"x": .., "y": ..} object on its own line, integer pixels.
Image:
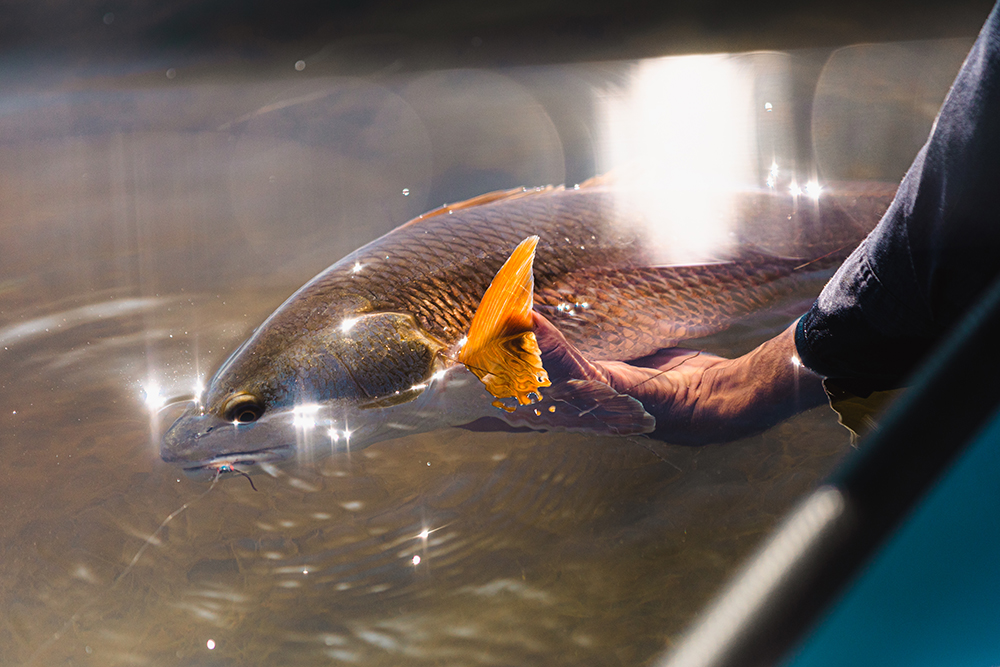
[
  {"x": 153, "y": 396},
  {"x": 683, "y": 133},
  {"x": 687, "y": 137}
]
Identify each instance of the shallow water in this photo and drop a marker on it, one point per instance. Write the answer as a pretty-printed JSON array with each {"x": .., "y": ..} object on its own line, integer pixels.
[
  {"x": 150, "y": 224},
  {"x": 539, "y": 549}
]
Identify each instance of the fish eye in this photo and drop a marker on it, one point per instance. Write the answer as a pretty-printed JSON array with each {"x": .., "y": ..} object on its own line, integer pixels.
[{"x": 243, "y": 409}]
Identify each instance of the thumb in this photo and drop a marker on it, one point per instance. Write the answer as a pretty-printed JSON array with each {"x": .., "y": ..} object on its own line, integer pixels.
[{"x": 562, "y": 361}]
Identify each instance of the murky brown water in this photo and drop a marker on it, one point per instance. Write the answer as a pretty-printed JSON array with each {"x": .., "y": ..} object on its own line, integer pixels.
[{"x": 148, "y": 224}]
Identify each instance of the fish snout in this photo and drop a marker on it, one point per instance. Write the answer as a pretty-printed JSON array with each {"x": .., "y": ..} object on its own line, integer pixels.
[
  {"x": 202, "y": 442},
  {"x": 195, "y": 437}
]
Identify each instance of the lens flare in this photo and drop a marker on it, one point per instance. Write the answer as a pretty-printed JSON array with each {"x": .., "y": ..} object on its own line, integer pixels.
[
  {"x": 304, "y": 416},
  {"x": 153, "y": 397}
]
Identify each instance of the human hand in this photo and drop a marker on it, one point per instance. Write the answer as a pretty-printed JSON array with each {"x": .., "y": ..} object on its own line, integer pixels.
[{"x": 695, "y": 397}]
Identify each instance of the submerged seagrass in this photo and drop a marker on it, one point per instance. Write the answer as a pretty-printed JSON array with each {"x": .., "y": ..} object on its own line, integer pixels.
[{"x": 367, "y": 350}]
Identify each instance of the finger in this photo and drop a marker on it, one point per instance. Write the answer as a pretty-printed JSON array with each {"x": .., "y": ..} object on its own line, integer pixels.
[
  {"x": 560, "y": 358},
  {"x": 547, "y": 335},
  {"x": 672, "y": 357}
]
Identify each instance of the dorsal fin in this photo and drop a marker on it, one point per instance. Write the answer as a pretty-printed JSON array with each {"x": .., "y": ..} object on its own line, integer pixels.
[
  {"x": 501, "y": 349},
  {"x": 604, "y": 180},
  {"x": 482, "y": 200}
]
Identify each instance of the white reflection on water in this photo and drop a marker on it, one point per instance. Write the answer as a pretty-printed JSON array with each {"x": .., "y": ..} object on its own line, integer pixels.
[
  {"x": 302, "y": 485},
  {"x": 153, "y": 397},
  {"x": 24, "y": 332},
  {"x": 684, "y": 133},
  {"x": 772, "y": 174},
  {"x": 214, "y": 603},
  {"x": 511, "y": 586},
  {"x": 277, "y": 106}
]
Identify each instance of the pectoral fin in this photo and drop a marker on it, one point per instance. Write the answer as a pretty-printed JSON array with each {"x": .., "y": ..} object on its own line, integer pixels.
[
  {"x": 501, "y": 349},
  {"x": 582, "y": 406}
]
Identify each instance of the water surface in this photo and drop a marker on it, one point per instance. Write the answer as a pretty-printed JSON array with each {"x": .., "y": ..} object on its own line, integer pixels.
[{"x": 150, "y": 223}]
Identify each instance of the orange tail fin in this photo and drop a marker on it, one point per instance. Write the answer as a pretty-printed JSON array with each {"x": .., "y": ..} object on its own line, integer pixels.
[{"x": 501, "y": 349}]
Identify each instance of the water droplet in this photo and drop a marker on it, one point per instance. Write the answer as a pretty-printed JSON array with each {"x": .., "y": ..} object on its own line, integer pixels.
[
  {"x": 406, "y": 192},
  {"x": 109, "y": 18},
  {"x": 210, "y": 644},
  {"x": 300, "y": 65},
  {"x": 171, "y": 73},
  {"x": 768, "y": 107}
]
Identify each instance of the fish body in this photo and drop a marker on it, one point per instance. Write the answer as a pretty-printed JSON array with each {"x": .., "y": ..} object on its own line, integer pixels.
[{"x": 368, "y": 349}]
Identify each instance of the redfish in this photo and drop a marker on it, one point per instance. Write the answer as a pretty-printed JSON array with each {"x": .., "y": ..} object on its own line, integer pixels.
[{"x": 374, "y": 347}]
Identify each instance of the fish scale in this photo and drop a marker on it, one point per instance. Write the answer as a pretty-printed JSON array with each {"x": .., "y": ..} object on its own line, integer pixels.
[
  {"x": 635, "y": 313},
  {"x": 437, "y": 268}
]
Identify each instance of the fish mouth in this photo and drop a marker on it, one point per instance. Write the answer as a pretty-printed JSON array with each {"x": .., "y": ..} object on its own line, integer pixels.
[{"x": 237, "y": 462}]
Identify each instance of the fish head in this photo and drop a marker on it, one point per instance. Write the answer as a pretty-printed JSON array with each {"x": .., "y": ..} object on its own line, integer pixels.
[{"x": 305, "y": 390}]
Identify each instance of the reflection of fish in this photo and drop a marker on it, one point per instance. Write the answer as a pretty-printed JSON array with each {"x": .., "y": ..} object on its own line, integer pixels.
[{"x": 367, "y": 349}]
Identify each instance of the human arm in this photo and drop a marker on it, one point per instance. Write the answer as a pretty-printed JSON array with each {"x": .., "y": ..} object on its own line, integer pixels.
[{"x": 934, "y": 252}]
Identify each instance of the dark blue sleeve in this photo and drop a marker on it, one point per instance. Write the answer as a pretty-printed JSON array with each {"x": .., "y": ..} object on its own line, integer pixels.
[{"x": 934, "y": 251}]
